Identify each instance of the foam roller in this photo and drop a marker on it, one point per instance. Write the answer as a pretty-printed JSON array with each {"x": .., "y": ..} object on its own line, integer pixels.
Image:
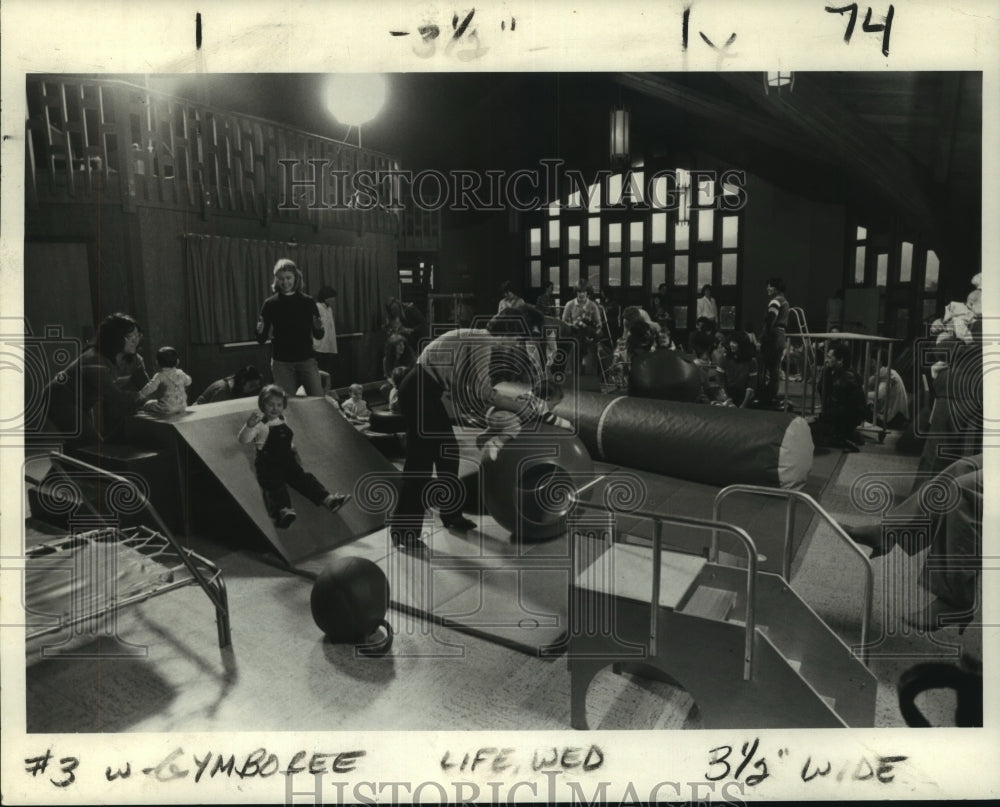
[{"x": 715, "y": 445}]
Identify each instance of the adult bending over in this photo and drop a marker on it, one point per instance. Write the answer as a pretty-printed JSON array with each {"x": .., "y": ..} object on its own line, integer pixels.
[
  {"x": 457, "y": 363},
  {"x": 91, "y": 398},
  {"x": 290, "y": 317},
  {"x": 244, "y": 383}
]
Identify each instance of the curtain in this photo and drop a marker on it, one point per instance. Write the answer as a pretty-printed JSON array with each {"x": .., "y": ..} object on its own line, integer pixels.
[{"x": 229, "y": 279}]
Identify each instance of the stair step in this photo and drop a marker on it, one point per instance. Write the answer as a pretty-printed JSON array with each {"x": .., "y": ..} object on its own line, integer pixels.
[{"x": 711, "y": 603}]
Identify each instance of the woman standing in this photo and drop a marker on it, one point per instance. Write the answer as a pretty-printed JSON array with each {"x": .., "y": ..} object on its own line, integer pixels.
[
  {"x": 326, "y": 347},
  {"x": 290, "y": 317},
  {"x": 89, "y": 401}
]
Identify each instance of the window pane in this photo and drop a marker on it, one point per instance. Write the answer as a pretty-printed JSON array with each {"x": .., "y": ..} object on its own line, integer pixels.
[
  {"x": 681, "y": 235},
  {"x": 657, "y": 275},
  {"x": 614, "y": 271},
  {"x": 554, "y": 208},
  {"x": 554, "y": 277},
  {"x": 859, "y": 265},
  {"x": 614, "y": 237},
  {"x": 593, "y": 232},
  {"x": 573, "y": 239},
  {"x": 704, "y": 274},
  {"x": 615, "y": 190},
  {"x": 730, "y": 231},
  {"x": 862, "y": 234},
  {"x": 554, "y": 233},
  {"x": 705, "y": 220},
  {"x": 635, "y": 271},
  {"x": 881, "y": 270},
  {"x": 635, "y": 236},
  {"x": 680, "y": 270},
  {"x": 536, "y": 240},
  {"x": 906, "y": 262},
  {"x": 729, "y": 274},
  {"x": 595, "y": 199},
  {"x": 536, "y": 273},
  {"x": 593, "y": 276},
  {"x": 706, "y": 192},
  {"x": 659, "y": 230},
  {"x": 573, "y": 272},
  {"x": 931, "y": 275},
  {"x": 634, "y": 186},
  {"x": 680, "y": 316},
  {"x": 573, "y": 200},
  {"x": 930, "y": 309},
  {"x": 727, "y": 317},
  {"x": 658, "y": 194}
]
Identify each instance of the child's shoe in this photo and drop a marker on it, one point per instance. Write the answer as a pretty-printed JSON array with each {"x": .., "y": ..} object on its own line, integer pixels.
[
  {"x": 285, "y": 518},
  {"x": 337, "y": 500}
]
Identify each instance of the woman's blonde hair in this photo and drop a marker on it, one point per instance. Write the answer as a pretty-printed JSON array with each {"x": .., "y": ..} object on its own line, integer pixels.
[{"x": 287, "y": 265}]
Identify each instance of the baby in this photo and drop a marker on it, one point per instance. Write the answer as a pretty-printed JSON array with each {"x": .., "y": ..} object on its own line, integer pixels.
[
  {"x": 169, "y": 386},
  {"x": 355, "y": 407},
  {"x": 277, "y": 462}
]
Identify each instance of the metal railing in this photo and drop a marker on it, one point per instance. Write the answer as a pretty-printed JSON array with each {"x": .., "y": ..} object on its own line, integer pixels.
[
  {"x": 658, "y": 520},
  {"x": 793, "y": 497}
]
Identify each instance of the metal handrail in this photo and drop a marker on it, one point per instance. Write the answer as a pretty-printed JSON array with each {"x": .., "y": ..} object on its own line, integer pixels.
[
  {"x": 659, "y": 520},
  {"x": 793, "y": 496}
]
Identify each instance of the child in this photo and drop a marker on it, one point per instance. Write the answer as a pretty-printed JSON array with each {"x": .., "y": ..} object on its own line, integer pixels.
[
  {"x": 355, "y": 407},
  {"x": 169, "y": 385},
  {"x": 396, "y": 378},
  {"x": 277, "y": 462},
  {"x": 713, "y": 390}
]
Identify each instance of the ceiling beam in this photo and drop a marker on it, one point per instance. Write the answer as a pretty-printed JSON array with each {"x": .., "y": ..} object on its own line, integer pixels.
[
  {"x": 869, "y": 156},
  {"x": 759, "y": 127}
]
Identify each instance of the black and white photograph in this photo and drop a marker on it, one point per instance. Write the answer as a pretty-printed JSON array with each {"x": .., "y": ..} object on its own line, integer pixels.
[{"x": 498, "y": 404}]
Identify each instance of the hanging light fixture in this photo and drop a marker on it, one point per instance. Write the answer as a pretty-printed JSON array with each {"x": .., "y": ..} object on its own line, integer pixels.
[
  {"x": 778, "y": 81},
  {"x": 619, "y": 134}
]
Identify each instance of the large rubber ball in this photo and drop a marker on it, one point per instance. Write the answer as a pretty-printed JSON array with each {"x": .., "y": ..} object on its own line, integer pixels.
[
  {"x": 349, "y": 600},
  {"x": 664, "y": 375},
  {"x": 527, "y": 487}
]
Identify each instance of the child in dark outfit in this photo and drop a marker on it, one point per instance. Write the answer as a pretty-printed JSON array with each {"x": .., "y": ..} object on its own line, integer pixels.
[{"x": 277, "y": 463}]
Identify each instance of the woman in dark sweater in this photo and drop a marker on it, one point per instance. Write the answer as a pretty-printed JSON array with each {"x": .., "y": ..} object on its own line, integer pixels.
[
  {"x": 89, "y": 401},
  {"x": 290, "y": 317}
]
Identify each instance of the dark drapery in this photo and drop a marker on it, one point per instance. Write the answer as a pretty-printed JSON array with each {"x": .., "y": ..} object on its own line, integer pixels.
[{"x": 229, "y": 278}]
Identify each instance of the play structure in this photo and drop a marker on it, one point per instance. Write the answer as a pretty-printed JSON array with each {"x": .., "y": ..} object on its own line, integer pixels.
[
  {"x": 741, "y": 642},
  {"x": 102, "y": 565},
  {"x": 712, "y": 444},
  {"x": 203, "y": 441}
]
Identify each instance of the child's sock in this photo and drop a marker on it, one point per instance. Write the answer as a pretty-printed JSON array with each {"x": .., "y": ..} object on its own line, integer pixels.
[
  {"x": 334, "y": 501},
  {"x": 285, "y": 518}
]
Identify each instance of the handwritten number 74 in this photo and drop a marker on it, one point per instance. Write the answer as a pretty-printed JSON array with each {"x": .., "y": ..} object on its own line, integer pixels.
[{"x": 885, "y": 27}]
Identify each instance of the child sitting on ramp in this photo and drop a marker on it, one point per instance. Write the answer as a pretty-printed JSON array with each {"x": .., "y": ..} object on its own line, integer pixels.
[
  {"x": 166, "y": 392},
  {"x": 277, "y": 463}
]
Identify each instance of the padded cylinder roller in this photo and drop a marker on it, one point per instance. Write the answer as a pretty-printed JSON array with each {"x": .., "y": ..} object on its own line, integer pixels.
[
  {"x": 716, "y": 445},
  {"x": 665, "y": 375}
]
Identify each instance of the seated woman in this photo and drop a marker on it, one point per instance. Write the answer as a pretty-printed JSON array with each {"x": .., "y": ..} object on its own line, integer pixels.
[
  {"x": 843, "y": 401},
  {"x": 893, "y": 403},
  {"x": 398, "y": 353},
  {"x": 244, "y": 383},
  {"x": 90, "y": 399},
  {"x": 739, "y": 366}
]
